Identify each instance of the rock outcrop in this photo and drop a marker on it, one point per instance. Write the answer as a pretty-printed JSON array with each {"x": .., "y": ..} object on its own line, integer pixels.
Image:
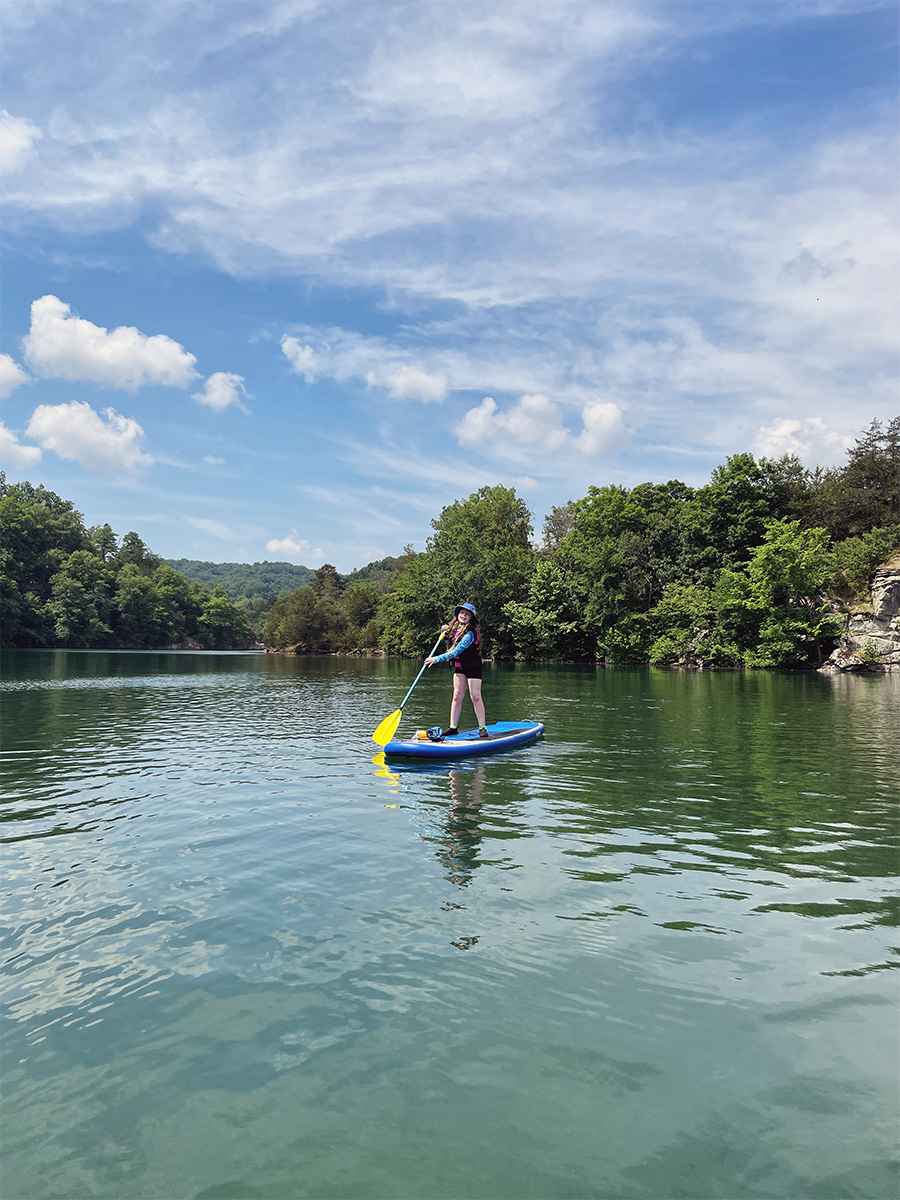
[{"x": 870, "y": 641}]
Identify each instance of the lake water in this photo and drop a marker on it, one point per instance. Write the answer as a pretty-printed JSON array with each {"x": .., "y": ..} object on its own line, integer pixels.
[{"x": 648, "y": 957}]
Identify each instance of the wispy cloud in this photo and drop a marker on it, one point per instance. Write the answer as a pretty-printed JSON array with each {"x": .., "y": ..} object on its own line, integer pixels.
[{"x": 216, "y": 529}]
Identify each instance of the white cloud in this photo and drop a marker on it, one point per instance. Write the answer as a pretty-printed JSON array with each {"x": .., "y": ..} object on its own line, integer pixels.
[
  {"x": 490, "y": 162},
  {"x": 440, "y": 80},
  {"x": 532, "y": 430},
  {"x": 11, "y": 376},
  {"x": 342, "y": 354},
  {"x": 810, "y": 439},
  {"x": 215, "y": 528},
  {"x": 107, "y": 443},
  {"x": 411, "y": 383},
  {"x": 533, "y": 420},
  {"x": 292, "y": 546},
  {"x": 212, "y": 460},
  {"x": 301, "y": 358},
  {"x": 222, "y": 389},
  {"x": 604, "y": 430},
  {"x": 62, "y": 346},
  {"x": 17, "y": 138},
  {"x": 13, "y": 453}
]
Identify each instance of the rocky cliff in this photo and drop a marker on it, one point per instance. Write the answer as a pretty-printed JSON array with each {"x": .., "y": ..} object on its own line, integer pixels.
[{"x": 871, "y": 640}]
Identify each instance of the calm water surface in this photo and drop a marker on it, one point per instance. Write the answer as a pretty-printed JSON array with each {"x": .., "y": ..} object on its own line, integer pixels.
[{"x": 649, "y": 957}]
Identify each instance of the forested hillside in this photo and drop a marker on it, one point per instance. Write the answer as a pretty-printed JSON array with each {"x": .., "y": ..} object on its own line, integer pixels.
[
  {"x": 66, "y": 585},
  {"x": 748, "y": 570},
  {"x": 258, "y": 581}
]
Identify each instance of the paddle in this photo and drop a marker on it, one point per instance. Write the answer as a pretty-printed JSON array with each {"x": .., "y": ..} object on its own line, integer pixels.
[{"x": 388, "y": 726}]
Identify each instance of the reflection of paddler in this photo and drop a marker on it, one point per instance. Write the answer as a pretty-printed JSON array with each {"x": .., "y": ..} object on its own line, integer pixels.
[{"x": 459, "y": 853}]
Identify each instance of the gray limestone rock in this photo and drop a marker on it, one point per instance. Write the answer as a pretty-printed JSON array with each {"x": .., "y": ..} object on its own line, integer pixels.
[{"x": 871, "y": 641}]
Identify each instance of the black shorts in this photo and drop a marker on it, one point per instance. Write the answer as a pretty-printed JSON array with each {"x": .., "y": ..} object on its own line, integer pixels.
[{"x": 474, "y": 672}]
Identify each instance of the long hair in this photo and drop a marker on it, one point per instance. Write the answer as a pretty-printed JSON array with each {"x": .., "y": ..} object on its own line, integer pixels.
[{"x": 455, "y": 630}]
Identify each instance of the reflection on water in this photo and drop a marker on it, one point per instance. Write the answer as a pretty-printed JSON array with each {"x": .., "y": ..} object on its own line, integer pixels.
[{"x": 231, "y": 934}]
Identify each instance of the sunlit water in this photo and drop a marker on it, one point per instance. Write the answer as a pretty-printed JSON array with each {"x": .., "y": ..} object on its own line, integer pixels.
[{"x": 647, "y": 957}]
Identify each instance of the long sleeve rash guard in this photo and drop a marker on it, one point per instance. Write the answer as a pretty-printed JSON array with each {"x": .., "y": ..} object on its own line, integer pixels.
[{"x": 463, "y": 644}]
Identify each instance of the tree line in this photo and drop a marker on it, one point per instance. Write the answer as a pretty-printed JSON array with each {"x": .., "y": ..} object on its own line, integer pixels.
[
  {"x": 62, "y": 584},
  {"x": 749, "y": 570}
]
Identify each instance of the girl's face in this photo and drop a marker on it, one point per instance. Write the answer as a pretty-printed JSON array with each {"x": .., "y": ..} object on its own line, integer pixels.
[{"x": 464, "y": 616}]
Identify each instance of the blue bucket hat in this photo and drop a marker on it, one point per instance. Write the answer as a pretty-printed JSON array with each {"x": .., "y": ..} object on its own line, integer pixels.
[{"x": 469, "y": 607}]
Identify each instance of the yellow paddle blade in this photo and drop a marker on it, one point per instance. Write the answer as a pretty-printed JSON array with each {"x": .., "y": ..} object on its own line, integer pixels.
[{"x": 387, "y": 728}]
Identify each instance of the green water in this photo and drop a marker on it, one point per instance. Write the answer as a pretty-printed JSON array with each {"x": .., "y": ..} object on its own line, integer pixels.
[{"x": 648, "y": 957}]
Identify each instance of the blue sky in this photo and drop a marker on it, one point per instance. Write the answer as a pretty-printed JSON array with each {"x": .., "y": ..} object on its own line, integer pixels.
[{"x": 281, "y": 280}]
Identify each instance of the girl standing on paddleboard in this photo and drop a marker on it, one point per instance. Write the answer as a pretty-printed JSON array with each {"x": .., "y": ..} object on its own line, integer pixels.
[{"x": 465, "y": 652}]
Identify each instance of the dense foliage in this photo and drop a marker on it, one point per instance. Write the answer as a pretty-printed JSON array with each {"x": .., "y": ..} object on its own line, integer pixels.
[
  {"x": 259, "y": 581},
  {"x": 748, "y": 570},
  {"x": 65, "y": 585},
  {"x": 745, "y": 571}
]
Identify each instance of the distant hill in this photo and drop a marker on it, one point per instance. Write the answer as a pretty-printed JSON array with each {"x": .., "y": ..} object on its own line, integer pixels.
[
  {"x": 381, "y": 574},
  {"x": 246, "y": 581}
]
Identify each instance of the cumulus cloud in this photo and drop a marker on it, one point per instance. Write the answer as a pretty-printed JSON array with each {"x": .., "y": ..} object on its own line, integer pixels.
[
  {"x": 535, "y": 424},
  {"x": 809, "y": 438},
  {"x": 17, "y": 138},
  {"x": 215, "y": 528},
  {"x": 533, "y": 420},
  {"x": 103, "y": 442},
  {"x": 221, "y": 390},
  {"x": 11, "y": 376},
  {"x": 292, "y": 546},
  {"x": 13, "y": 453},
  {"x": 62, "y": 346},
  {"x": 604, "y": 430}
]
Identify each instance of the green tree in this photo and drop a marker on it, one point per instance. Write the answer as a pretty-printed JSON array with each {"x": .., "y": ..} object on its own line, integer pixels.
[
  {"x": 857, "y": 558},
  {"x": 296, "y": 621},
  {"x": 788, "y": 576},
  {"x": 222, "y": 624},
  {"x": 103, "y": 541},
  {"x": 133, "y": 551},
  {"x": 327, "y": 581},
  {"x": 547, "y": 623},
  {"x": 481, "y": 552},
  {"x": 134, "y": 609},
  {"x": 38, "y": 532},
  {"x": 727, "y": 518},
  {"x": 558, "y": 524},
  {"x": 865, "y": 494},
  {"x": 176, "y": 607},
  {"x": 360, "y": 603}
]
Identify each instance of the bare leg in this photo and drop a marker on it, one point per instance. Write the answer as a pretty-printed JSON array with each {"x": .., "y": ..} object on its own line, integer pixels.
[
  {"x": 477, "y": 702},
  {"x": 459, "y": 690}
]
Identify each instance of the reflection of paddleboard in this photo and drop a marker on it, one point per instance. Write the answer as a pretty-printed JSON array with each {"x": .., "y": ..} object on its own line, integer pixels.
[{"x": 502, "y": 735}]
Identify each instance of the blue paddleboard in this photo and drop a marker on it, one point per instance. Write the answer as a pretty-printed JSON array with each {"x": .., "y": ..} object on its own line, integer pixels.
[{"x": 502, "y": 735}]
